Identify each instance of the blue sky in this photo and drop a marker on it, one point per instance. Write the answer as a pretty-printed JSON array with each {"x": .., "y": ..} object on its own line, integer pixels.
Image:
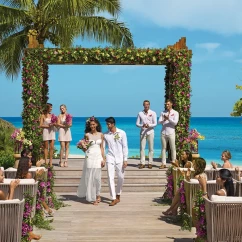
[{"x": 214, "y": 32}]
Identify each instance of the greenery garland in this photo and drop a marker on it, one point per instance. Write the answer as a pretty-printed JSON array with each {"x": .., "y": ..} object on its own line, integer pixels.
[
  {"x": 35, "y": 75},
  {"x": 39, "y": 218},
  {"x": 186, "y": 223},
  {"x": 52, "y": 200},
  {"x": 27, "y": 225},
  {"x": 200, "y": 217}
]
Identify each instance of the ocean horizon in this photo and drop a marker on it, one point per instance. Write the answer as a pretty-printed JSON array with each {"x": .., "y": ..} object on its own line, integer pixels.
[{"x": 221, "y": 133}]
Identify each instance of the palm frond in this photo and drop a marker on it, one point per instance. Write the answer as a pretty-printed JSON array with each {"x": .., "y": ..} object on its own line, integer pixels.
[
  {"x": 22, "y": 4},
  {"x": 11, "y": 15},
  {"x": 105, "y": 30},
  {"x": 11, "y": 52}
]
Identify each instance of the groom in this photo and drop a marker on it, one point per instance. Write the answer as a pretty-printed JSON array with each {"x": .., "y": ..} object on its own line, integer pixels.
[{"x": 116, "y": 158}]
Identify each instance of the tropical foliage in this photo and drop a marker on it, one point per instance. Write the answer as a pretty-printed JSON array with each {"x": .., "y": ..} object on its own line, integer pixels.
[
  {"x": 6, "y": 129},
  {"x": 35, "y": 78},
  {"x": 59, "y": 22},
  {"x": 237, "y": 109}
]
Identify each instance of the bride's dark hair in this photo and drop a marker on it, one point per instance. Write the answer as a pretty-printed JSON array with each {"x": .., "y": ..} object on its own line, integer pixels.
[{"x": 88, "y": 129}]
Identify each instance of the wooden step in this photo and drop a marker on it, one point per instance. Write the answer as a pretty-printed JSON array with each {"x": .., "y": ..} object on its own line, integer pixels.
[
  {"x": 67, "y": 188},
  {"x": 128, "y": 179},
  {"x": 135, "y": 172}
]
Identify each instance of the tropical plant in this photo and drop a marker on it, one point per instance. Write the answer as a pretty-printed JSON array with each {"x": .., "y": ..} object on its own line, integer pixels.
[
  {"x": 6, "y": 144},
  {"x": 237, "y": 109},
  {"x": 59, "y": 22}
]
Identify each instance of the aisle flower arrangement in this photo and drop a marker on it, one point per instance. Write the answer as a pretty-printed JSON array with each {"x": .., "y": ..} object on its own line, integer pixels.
[
  {"x": 27, "y": 220},
  {"x": 20, "y": 142},
  {"x": 200, "y": 217},
  {"x": 168, "y": 194},
  {"x": 39, "y": 218},
  {"x": 192, "y": 140}
]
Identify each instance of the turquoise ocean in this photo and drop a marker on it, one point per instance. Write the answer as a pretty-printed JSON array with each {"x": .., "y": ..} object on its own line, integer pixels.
[{"x": 220, "y": 134}]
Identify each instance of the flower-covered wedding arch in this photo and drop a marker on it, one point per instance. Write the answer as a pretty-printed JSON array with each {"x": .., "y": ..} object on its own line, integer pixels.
[{"x": 176, "y": 58}]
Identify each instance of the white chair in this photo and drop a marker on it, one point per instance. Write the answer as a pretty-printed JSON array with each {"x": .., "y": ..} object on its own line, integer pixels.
[
  {"x": 191, "y": 189},
  {"x": 11, "y": 214},
  {"x": 176, "y": 173},
  {"x": 224, "y": 216},
  {"x": 25, "y": 186},
  {"x": 11, "y": 172}
]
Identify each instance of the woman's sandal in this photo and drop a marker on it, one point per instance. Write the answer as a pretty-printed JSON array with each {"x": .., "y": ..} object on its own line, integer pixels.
[
  {"x": 65, "y": 164},
  {"x": 61, "y": 164},
  {"x": 95, "y": 203},
  {"x": 98, "y": 199}
]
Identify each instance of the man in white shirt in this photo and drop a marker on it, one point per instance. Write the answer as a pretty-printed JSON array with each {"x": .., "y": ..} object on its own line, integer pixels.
[
  {"x": 169, "y": 120},
  {"x": 146, "y": 121},
  {"x": 116, "y": 158}
]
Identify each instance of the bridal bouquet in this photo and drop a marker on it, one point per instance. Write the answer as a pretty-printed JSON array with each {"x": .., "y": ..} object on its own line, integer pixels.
[
  {"x": 54, "y": 119},
  {"x": 84, "y": 144},
  {"x": 68, "y": 119}
]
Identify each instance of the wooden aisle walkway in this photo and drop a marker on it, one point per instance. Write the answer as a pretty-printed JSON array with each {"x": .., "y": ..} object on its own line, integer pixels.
[{"x": 137, "y": 218}]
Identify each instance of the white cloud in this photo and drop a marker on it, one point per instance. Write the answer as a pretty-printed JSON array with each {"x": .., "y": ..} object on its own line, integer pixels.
[
  {"x": 210, "y": 47},
  {"x": 220, "y": 16}
]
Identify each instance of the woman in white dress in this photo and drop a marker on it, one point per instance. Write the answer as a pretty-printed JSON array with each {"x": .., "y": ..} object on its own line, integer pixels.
[
  {"x": 90, "y": 184},
  {"x": 64, "y": 135},
  {"x": 48, "y": 133}
]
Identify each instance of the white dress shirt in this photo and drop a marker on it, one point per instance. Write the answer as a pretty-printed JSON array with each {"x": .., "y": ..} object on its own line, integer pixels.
[
  {"x": 117, "y": 146},
  {"x": 169, "y": 125},
  {"x": 149, "y": 118}
]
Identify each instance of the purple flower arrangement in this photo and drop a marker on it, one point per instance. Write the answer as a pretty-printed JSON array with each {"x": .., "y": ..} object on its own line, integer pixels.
[
  {"x": 53, "y": 119},
  {"x": 169, "y": 186},
  {"x": 68, "y": 119}
]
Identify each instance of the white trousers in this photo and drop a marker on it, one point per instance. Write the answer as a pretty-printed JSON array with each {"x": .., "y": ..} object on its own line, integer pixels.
[
  {"x": 164, "y": 140},
  {"x": 120, "y": 174},
  {"x": 150, "y": 139}
]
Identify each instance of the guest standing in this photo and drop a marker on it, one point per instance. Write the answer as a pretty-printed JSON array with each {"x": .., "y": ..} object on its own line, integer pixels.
[
  {"x": 90, "y": 184},
  {"x": 48, "y": 133},
  {"x": 146, "y": 121},
  {"x": 64, "y": 134},
  {"x": 116, "y": 158},
  {"x": 169, "y": 119}
]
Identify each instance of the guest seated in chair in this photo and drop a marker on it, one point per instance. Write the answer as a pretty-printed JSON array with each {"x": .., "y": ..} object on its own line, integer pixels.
[
  {"x": 13, "y": 184},
  {"x": 23, "y": 173},
  {"x": 199, "y": 167},
  {"x": 12, "y": 187},
  {"x": 185, "y": 161},
  {"x": 225, "y": 157},
  {"x": 224, "y": 179}
]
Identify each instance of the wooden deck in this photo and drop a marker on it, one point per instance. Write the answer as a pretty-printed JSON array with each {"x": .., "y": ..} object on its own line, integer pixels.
[{"x": 136, "y": 218}]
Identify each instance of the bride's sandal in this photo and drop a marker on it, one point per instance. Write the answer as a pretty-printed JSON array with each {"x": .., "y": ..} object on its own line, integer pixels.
[
  {"x": 95, "y": 203},
  {"x": 98, "y": 199}
]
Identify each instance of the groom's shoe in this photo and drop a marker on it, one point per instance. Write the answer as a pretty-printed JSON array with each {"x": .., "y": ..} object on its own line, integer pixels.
[
  {"x": 118, "y": 198},
  {"x": 114, "y": 202}
]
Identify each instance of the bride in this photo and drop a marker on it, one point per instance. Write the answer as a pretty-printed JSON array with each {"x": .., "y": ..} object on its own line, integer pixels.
[{"x": 90, "y": 184}]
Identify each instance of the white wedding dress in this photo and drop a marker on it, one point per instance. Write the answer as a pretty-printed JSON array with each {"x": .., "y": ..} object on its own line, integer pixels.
[{"x": 90, "y": 184}]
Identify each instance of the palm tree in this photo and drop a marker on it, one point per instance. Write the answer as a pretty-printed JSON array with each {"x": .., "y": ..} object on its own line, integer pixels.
[{"x": 57, "y": 21}]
